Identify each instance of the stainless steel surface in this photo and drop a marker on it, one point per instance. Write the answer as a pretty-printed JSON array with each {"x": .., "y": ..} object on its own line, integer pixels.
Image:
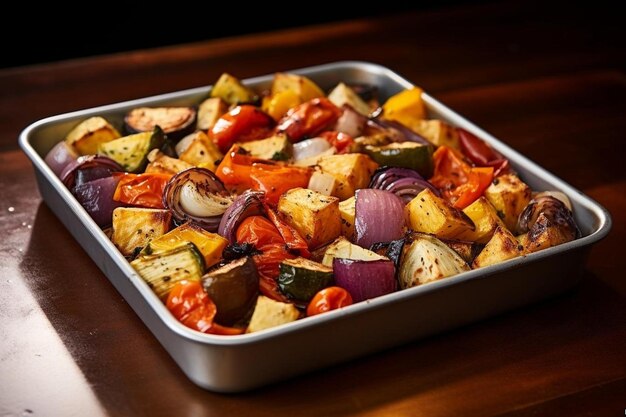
[{"x": 230, "y": 363}]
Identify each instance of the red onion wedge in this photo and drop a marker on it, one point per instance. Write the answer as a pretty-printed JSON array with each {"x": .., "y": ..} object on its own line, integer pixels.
[
  {"x": 379, "y": 217},
  {"x": 97, "y": 198},
  {"x": 197, "y": 195},
  {"x": 70, "y": 172},
  {"x": 250, "y": 203},
  {"x": 60, "y": 156},
  {"x": 403, "y": 182},
  {"x": 365, "y": 279}
]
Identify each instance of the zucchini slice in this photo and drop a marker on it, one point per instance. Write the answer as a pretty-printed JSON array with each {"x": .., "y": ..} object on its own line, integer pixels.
[
  {"x": 131, "y": 152},
  {"x": 234, "y": 289},
  {"x": 412, "y": 155},
  {"x": 277, "y": 148},
  {"x": 300, "y": 279},
  {"x": 176, "y": 122},
  {"x": 162, "y": 271},
  {"x": 135, "y": 227}
]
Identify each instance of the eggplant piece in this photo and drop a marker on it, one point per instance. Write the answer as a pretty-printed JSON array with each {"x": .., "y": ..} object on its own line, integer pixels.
[
  {"x": 234, "y": 289},
  {"x": 428, "y": 259},
  {"x": 176, "y": 122},
  {"x": 300, "y": 279}
]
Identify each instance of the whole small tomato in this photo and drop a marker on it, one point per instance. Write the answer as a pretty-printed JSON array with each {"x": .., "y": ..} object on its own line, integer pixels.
[{"x": 330, "y": 298}]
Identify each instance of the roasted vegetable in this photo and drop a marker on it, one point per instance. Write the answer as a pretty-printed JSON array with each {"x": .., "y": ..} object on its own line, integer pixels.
[
  {"x": 322, "y": 183},
  {"x": 277, "y": 148},
  {"x": 365, "y": 279},
  {"x": 141, "y": 190},
  {"x": 466, "y": 250},
  {"x": 198, "y": 150},
  {"x": 87, "y": 137},
  {"x": 509, "y": 196},
  {"x": 352, "y": 171},
  {"x": 197, "y": 195},
  {"x": 342, "y": 248},
  {"x": 60, "y": 156},
  {"x": 347, "y": 213},
  {"x": 438, "y": 132},
  {"x": 427, "y": 259},
  {"x": 234, "y": 289},
  {"x": 379, "y": 217},
  {"x": 232, "y": 91},
  {"x": 163, "y": 164},
  {"x": 485, "y": 220},
  {"x": 405, "y": 107},
  {"x": 501, "y": 247},
  {"x": 176, "y": 122},
  {"x": 412, "y": 155},
  {"x": 191, "y": 305},
  {"x": 342, "y": 95},
  {"x": 328, "y": 299},
  {"x": 131, "y": 152},
  {"x": 96, "y": 197},
  {"x": 428, "y": 213},
  {"x": 209, "y": 244},
  {"x": 209, "y": 111},
  {"x": 315, "y": 216},
  {"x": 546, "y": 222},
  {"x": 302, "y": 86},
  {"x": 300, "y": 279},
  {"x": 244, "y": 123},
  {"x": 134, "y": 228},
  {"x": 269, "y": 313},
  {"x": 308, "y": 119},
  {"x": 161, "y": 271}
]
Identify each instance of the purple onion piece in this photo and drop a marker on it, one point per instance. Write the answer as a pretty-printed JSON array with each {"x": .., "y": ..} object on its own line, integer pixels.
[
  {"x": 250, "y": 203},
  {"x": 90, "y": 174},
  {"x": 365, "y": 279},
  {"x": 97, "y": 198},
  {"x": 60, "y": 156},
  {"x": 69, "y": 173},
  {"x": 379, "y": 217}
]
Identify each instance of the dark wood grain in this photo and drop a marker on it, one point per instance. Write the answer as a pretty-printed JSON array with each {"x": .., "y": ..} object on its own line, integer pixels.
[{"x": 553, "y": 88}]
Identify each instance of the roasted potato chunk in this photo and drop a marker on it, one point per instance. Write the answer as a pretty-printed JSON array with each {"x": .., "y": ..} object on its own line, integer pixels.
[
  {"x": 437, "y": 132},
  {"x": 269, "y": 313},
  {"x": 87, "y": 137},
  {"x": 210, "y": 111},
  {"x": 352, "y": 171},
  {"x": 428, "y": 213},
  {"x": 315, "y": 216},
  {"x": 501, "y": 247},
  {"x": 508, "y": 195},
  {"x": 199, "y": 150}
]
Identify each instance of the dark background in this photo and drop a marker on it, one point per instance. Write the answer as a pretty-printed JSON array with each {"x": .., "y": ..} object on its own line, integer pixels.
[{"x": 56, "y": 32}]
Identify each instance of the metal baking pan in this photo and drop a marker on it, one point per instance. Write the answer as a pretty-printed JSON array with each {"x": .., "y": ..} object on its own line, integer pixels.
[{"x": 244, "y": 362}]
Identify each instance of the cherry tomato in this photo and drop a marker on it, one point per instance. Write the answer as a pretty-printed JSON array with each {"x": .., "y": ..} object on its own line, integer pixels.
[
  {"x": 330, "y": 298},
  {"x": 258, "y": 231},
  {"x": 278, "y": 179},
  {"x": 480, "y": 153},
  {"x": 143, "y": 190},
  {"x": 308, "y": 119},
  {"x": 241, "y": 124},
  {"x": 459, "y": 183},
  {"x": 341, "y": 141}
]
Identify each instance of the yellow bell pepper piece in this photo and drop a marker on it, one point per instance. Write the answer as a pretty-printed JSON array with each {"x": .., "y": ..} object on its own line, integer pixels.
[
  {"x": 405, "y": 107},
  {"x": 278, "y": 104}
]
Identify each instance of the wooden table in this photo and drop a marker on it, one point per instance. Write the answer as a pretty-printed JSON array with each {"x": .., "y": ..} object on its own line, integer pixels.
[{"x": 549, "y": 81}]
